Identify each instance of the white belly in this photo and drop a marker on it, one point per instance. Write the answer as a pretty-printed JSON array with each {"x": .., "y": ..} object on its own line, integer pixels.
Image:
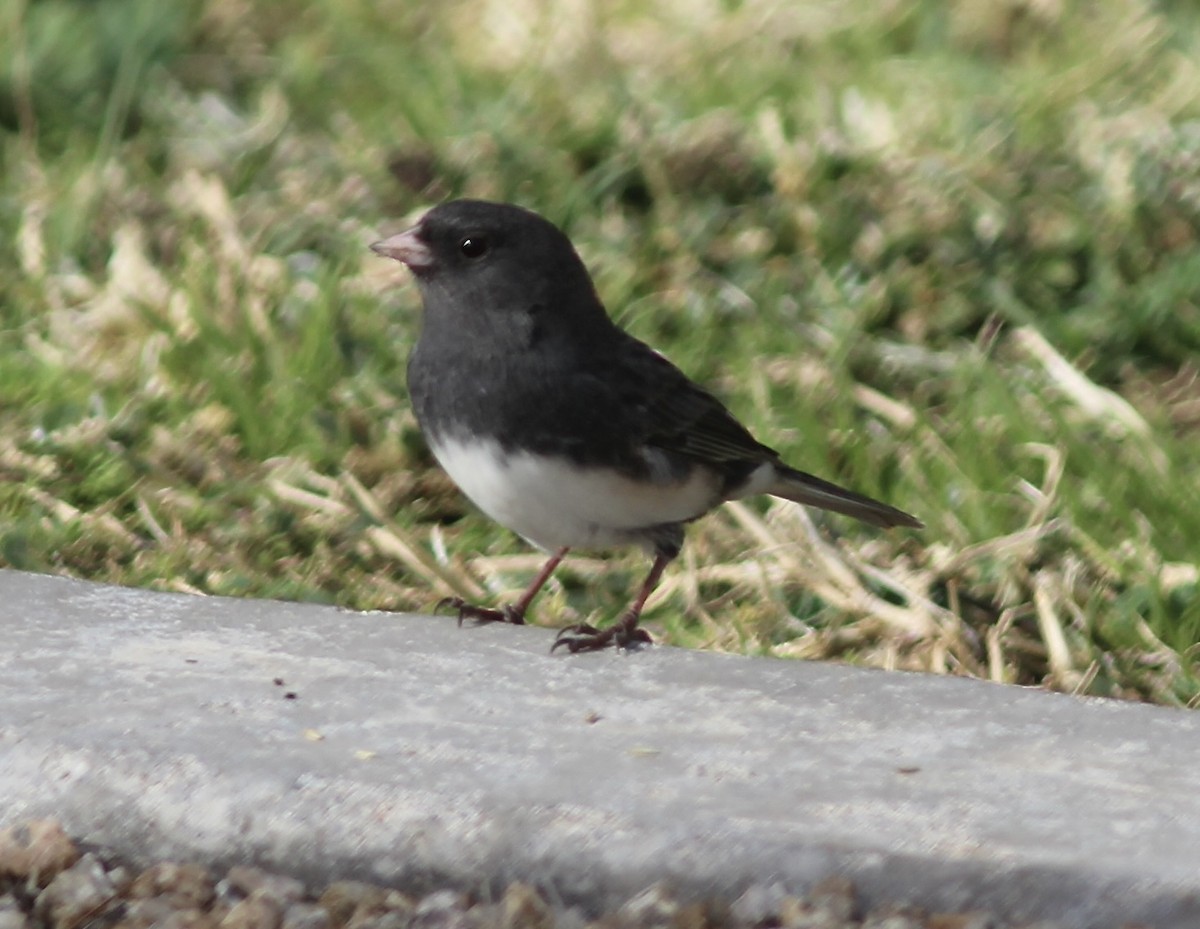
[{"x": 555, "y": 504}]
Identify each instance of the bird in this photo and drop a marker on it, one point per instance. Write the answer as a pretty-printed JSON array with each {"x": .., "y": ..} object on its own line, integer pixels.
[{"x": 560, "y": 425}]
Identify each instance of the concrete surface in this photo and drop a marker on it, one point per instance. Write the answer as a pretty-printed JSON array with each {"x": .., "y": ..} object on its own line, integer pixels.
[{"x": 415, "y": 752}]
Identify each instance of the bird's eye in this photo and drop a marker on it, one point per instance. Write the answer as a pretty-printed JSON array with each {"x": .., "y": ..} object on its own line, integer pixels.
[{"x": 473, "y": 246}]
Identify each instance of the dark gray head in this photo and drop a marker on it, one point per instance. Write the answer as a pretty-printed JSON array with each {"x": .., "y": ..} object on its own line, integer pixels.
[{"x": 478, "y": 263}]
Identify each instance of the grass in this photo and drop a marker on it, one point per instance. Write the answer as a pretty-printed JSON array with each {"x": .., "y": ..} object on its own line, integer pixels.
[{"x": 949, "y": 260}]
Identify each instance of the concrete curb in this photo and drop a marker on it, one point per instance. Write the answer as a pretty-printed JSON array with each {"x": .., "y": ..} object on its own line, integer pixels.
[{"x": 415, "y": 753}]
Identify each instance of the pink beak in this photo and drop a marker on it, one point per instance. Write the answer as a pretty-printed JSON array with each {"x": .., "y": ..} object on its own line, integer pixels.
[{"x": 408, "y": 248}]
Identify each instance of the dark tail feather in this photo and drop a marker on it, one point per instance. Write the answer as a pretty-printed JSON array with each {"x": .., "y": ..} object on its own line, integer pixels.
[{"x": 812, "y": 491}]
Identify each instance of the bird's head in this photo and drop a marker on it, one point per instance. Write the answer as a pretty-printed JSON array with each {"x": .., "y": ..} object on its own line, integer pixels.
[{"x": 479, "y": 256}]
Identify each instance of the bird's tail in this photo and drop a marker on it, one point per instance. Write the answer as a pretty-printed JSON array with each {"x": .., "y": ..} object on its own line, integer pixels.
[{"x": 812, "y": 491}]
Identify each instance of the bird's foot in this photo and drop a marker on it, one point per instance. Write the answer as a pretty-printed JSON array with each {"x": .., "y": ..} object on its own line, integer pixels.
[
  {"x": 583, "y": 637},
  {"x": 479, "y": 615}
]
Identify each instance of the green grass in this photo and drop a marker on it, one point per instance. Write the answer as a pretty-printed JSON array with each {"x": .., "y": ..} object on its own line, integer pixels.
[{"x": 950, "y": 260}]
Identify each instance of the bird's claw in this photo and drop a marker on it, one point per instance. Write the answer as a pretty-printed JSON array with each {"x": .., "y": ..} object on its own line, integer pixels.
[
  {"x": 479, "y": 615},
  {"x": 583, "y": 637}
]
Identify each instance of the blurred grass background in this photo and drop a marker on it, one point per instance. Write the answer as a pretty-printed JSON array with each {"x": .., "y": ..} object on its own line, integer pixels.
[{"x": 944, "y": 253}]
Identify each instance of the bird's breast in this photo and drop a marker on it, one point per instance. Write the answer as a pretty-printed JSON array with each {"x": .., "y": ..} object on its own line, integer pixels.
[{"x": 553, "y": 502}]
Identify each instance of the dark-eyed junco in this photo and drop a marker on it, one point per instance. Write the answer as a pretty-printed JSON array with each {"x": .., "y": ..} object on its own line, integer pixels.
[{"x": 562, "y": 426}]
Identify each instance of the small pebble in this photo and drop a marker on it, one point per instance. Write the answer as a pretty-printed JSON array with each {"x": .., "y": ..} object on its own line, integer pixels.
[
  {"x": 38, "y": 849},
  {"x": 147, "y": 911},
  {"x": 708, "y": 915},
  {"x": 829, "y": 903},
  {"x": 188, "y": 919},
  {"x": 524, "y": 908},
  {"x": 11, "y": 915},
  {"x": 342, "y": 899},
  {"x": 833, "y": 899},
  {"x": 306, "y": 916},
  {"x": 255, "y": 912},
  {"x": 895, "y": 917},
  {"x": 654, "y": 906},
  {"x": 245, "y": 881},
  {"x": 185, "y": 886},
  {"x": 389, "y": 919},
  {"x": 962, "y": 921},
  {"x": 76, "y": 894},
  {"x": 392, "y": 910},
  {"x": 759, "y": 903},
  {"x": 442, "y": 909}
]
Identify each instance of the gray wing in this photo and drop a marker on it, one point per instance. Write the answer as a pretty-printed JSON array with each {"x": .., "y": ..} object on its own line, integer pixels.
[{"x": 670, "y": 412}]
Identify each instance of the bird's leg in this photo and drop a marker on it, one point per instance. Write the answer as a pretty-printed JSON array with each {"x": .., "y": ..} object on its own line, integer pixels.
[
  {"x": 511, "y": 612},
  {"x": 624, "y": 632}
]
